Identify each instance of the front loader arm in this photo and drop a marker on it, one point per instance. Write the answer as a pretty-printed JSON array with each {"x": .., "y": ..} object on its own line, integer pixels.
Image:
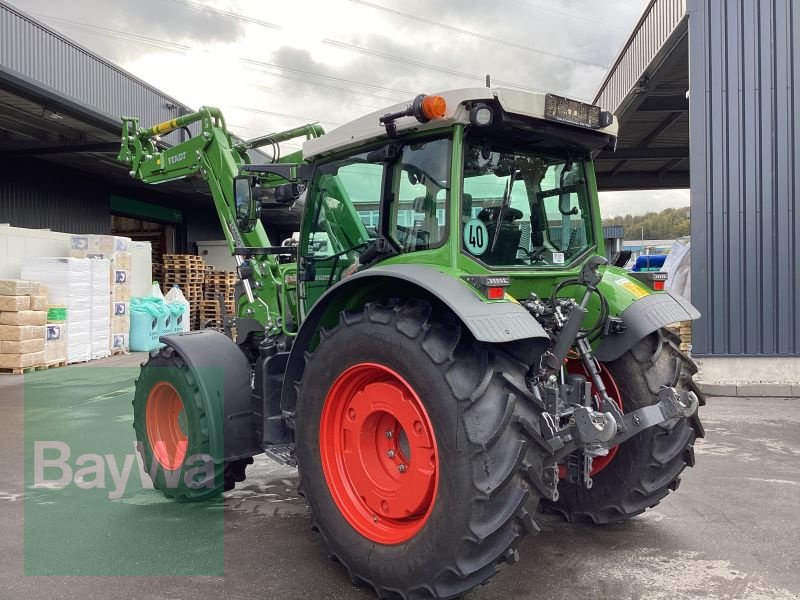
[{"x": 212, "y": 155}]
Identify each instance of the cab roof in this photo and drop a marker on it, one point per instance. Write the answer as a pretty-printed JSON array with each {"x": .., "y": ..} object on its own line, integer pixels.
[{"x": 368, "y": 128}]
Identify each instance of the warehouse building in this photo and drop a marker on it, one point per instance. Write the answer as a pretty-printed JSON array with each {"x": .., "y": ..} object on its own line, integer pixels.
[{"x": 59, "y": 138}]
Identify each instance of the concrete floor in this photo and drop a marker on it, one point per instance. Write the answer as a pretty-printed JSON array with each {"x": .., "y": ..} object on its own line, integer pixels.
[{"x": 731, "y": 531}]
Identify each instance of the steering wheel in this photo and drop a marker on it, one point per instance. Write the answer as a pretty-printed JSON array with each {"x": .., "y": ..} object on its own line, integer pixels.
[
  {"x": 534, "y": 256},
  {"x": 490, "y": 213}
]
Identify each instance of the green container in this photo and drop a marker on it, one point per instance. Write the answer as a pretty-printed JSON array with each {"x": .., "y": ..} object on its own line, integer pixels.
[{"x": 57, "y": 314}]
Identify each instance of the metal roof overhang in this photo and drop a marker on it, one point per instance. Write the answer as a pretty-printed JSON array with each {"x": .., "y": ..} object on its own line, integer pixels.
[
  {"x": 647, "y": 89},
  {"x": 37, "y": 122},
  {"x": 64, "y": 106}
]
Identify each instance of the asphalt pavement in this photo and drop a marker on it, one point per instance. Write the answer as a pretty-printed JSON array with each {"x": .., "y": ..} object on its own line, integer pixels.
[{"x": 730, "y": 531}]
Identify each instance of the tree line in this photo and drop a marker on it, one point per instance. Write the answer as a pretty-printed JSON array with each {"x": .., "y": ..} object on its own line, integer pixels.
[{"x": 668, "y": 224}]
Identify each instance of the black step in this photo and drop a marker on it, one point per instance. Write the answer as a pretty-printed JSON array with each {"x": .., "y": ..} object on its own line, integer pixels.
[{"x": 282, "y": 454}]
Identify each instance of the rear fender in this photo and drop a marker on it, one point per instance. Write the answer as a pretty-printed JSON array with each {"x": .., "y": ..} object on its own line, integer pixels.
[
  {"x": 223, "y": 377},
  {"x": 505, "y": 323},
  {"x": 643, "y": 317}
]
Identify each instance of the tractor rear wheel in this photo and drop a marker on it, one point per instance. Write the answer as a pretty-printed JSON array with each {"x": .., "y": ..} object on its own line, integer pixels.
[
  {"x": 647, "y": 467},
  {"x": 411, "y": 451},
  {"x": 172, "y": 431}
]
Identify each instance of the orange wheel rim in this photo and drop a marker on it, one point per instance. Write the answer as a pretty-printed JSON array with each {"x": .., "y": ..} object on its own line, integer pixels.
[
  {"x": 379, "y": 455},
  {"x": 165, "y": 432}
]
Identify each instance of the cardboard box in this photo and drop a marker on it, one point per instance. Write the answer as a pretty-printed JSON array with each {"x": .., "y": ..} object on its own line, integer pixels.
[
  {"x": 15, "y": 303},
  {"x": 98, "y": 244},
  {"x": 55, "y": 352},
  {"x": 21, "y": 361},
  {"x": 24, "y": 347},
  {"x": 120, "y": 309},
  {"x": 108, "y": 244},
  {"x": 120, "y": 293},
  {"x": 80, "y": 243},
  {"x": 38, "y": 303},
  {"x": 24, "y": 317},
  {"x": 122, "y": 260},
  {"x": 120, "y": 324},
  {"x": 55, "y": 332},
  {"x": 17, "y": 333},
  {"x": 14, "y": 287},
  {"x": 120, "y": 341}
]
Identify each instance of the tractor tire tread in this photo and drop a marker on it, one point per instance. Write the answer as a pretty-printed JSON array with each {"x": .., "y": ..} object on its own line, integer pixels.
[
  {"x": 226, "y": 475},
  {"x": 504, "y": 500}
]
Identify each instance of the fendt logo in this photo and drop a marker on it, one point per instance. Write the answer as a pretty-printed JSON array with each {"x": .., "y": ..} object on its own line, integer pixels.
[{"x": 177, "y": 158}]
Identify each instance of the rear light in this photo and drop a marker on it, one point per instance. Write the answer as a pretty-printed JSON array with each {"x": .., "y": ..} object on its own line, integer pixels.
[
  {"x": 659, "y": 281},
  {"x": 495, "y": 293},
  {"x": 491, "y": 286}
]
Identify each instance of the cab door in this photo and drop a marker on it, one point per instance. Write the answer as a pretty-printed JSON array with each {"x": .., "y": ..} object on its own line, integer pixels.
[{"x": 340, "y": 221}]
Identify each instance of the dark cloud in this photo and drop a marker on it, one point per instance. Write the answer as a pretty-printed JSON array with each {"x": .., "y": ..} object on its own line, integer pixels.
[
  {"x": 162, "y": 20},
  {"x": 569, "y": 44}
]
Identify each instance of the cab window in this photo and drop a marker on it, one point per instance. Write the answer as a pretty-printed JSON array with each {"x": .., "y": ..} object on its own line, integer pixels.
[
  {"x": 524, "y": 208},
  {"x": 417, "y": 208}
]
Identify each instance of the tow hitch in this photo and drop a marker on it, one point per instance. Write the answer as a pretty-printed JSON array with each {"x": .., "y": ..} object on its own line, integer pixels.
[{"x": 600, "y": 431}]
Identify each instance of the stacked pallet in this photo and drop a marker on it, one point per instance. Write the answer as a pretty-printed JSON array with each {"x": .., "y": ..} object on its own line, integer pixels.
[
  {"x": 188, "y": 273},
  {"x": 218, "y": 285},
  {"x": 685, "y": 333},
  {"x": 23, "y": 314}
]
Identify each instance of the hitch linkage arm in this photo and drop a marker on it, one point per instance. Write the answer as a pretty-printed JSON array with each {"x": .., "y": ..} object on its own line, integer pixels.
[{"x": 611, "y": 428}]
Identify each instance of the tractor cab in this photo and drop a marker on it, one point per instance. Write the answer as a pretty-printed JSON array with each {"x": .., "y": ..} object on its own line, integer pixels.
[{"x": 500, "y": 178}]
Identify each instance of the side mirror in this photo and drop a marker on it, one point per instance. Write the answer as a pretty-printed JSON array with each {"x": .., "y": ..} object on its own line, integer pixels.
[
  {"x": 563, "y": 198},
  {"x": 247, "y": 209}
]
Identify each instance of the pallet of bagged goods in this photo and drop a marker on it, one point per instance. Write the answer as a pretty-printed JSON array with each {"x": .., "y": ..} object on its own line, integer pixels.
[
  {"x": 69, "y": 284},
  {"x": 115, "y": 323},
  {"x": 23, "y": 315}
]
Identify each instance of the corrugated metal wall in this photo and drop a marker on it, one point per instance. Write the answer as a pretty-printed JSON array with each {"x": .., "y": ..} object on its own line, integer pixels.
[
  {"x": 40, "y": 195},
  {"x": 657, "y": 23},
  {"x": 28, "y": 47},
  {"x": 745, "y": 126}
]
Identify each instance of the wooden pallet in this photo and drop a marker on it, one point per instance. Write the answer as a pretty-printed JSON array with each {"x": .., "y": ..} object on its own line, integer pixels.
[
  {"x": 221, "y": 276},
  {"x": 23, "y": 370},
  {"x": 54, "y": 364},
  {"x": 213, "y": 304},
  {"x": 182, "y": 258},
  {"x": 190, "y": 276}
]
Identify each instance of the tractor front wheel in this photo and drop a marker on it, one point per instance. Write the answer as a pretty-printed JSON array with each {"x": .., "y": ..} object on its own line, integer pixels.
[
  {"x": 172, "y": 420},
  {"x": 411, "y": 452}
]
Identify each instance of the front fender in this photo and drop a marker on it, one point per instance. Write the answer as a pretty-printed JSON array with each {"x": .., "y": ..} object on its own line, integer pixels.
[
  {"x": 223, "y": 377},
  {"x": 491, "y": 322}
]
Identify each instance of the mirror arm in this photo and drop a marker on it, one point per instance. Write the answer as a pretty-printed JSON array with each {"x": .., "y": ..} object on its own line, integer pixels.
[{"x": 288, "y": 171}]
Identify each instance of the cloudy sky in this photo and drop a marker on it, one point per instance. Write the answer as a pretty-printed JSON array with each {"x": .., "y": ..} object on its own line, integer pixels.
[{"x": 271, "y": 65}]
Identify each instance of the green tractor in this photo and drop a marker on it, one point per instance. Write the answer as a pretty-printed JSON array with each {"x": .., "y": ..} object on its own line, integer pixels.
[{"x": 436, "y": 342}]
